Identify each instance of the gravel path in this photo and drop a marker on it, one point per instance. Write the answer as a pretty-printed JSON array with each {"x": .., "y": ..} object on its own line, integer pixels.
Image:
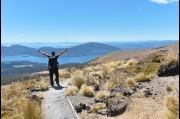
[{"x": 55, "y": 104}]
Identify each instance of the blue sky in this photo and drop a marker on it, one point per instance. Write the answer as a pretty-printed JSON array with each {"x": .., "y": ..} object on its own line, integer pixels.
[{"x": 89, "y": 20}]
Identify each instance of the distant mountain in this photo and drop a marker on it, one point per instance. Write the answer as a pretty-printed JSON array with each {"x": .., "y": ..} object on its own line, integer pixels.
[
  {"x": 80, "y": 50},
  {"x": 139, "y": 54},
  {"x": 139, "y": 45}
]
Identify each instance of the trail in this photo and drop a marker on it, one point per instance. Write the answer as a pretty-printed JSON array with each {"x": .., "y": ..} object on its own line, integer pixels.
[{"x": 55, "y": 104}]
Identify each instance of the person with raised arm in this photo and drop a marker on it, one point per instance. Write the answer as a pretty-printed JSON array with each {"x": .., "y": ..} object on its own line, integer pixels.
[{"x": 53, "y": 66}]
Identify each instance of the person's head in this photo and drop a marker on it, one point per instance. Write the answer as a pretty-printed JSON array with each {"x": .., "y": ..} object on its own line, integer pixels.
[{"x": 53, "y": 53}]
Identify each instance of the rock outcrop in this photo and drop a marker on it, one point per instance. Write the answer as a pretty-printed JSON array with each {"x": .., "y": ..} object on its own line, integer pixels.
[{"x": 170, "y": 69}]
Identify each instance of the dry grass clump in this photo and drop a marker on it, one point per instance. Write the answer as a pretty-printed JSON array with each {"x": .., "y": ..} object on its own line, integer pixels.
[
  {"x": 88, "y": 69},
  {"x": 130, "y": 82},
  {"x": 141, "y": 77},
  {"x": 31, "y": 110},
  {"x": 132, "y": 62},
  {"x": 113, "y": 64},
  {"x": 97, "y": 107},
  {"x": 64, "y": 74},
  {"x": 43, "y": 85},
  {"x": 119, "y": 63},
  {"x": 72, "y": 90},
  {"x": 169, "y": 89},
  {"x": 151, "y": 68},
  {"x": 101, "y": 95},
  {"x": 87, "y": 91},
  {"x": 172, "y": 103},
  {"x": 106, "y": 70},
  {"x": 16, "y": 103},
  {"x": 97, "y": 68},
  {"x": 78, "y": 81},
  {"x": 115, "y": 80}
]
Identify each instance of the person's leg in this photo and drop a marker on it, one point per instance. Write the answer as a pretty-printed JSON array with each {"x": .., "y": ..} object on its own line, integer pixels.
[
  {"x": 51, "y": 77},
  {"x": 57, "y": 76}
]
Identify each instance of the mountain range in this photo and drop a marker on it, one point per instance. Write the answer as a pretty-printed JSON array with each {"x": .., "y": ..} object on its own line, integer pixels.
[{"x": 87, "y": 49}]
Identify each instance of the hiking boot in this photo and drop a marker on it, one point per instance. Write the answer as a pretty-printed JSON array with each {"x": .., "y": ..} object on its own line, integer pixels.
[{"x": 58, "y": 85}]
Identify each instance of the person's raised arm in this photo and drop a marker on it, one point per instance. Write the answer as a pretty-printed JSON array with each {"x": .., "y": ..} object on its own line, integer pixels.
[
  {"x": 43, "y": 53},
  {"x": 62, "y": 52}
]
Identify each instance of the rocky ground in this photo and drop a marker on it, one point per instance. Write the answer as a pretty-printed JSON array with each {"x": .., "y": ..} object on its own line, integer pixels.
[{"x": 141, "y": 105}]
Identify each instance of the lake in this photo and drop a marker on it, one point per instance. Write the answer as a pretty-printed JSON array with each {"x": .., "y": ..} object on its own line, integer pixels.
[{"x": 61, "y": 60}]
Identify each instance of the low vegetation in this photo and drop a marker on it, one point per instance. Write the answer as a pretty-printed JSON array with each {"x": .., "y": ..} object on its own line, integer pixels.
[
  {"x": 169, "y": 89},
  {"x": 64, "y": 74},
  {"x": 101, "y": 95},
  {"x": 98, "y": 107},
  {"x": 87, "y": 91},
  {"x": 78, "y": 81},
  {"x": 130, "y": 82},
  {"x": 72, "y": 90},
  {"x": 172, "y": 104},
  {"x": 43, "y": 85},
  {"x": 16, "y": 103},
  {"x": 141, "y": 77}
]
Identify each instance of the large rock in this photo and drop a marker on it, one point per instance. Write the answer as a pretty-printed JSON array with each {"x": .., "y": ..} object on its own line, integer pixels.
[
  {"x": 170, "y": 69},
  {"x": 117, "y": 107},
  {"x": 121, "y": 89}
]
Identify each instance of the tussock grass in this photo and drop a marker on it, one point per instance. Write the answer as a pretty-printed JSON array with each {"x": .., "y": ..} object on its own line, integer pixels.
[
  {"x": 31, "y": 110},
  {"x": 151, "y": 68},
  {"x": 16, "y": 103},
  {"x": 105, "y": 71},
  {"x": 88, "y": 69},
  {"x": 141, "y": 77},
  {"x": 115, "y": 80},
  {"x": 169, "y": 89},
  {"x": 130, "y": 82},
  {"x": 132, "y": 62},
  {"x": 87, "y": 91},
  {"x": 172, "y": 104},
  {"x": 72, "y": 90},
  {"x": 113, "y": 64},
  {"x": 64, "y": 74},
  {"x": 101, "y": 95},
  {"x": 43, "y": 85},
  {"x": 97, "y": 107},
  {"x": 97, "y": 68},
  {"x": 78, "y": 81}
]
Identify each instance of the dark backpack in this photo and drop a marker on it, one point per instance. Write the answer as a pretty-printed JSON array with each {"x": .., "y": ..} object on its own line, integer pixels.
[{"x": 53, "y": 61}]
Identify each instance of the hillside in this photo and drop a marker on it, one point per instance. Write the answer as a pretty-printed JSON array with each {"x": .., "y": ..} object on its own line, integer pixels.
[
  {"x": 80, "y": 50},
  {"x": 128, "y": 54}
]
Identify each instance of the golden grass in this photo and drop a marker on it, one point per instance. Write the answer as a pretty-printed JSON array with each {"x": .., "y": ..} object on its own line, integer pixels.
[
  {"x": 97, "y": 68},
  {"x": 105, "y": 71},
  {"x": 141, "y": 77},
  {"x": 101, "y": 95},
  {"x": 115, "y": 80},
  {"x": 169, "y": 89},
  {"x": 64, "y": 74},
  {"x": 72, "y": 90},
  {"x": 43, "y": 85},
  {"x": 130, "y": 82},
  {"x": 132, "y": 62},
  {"x": 78, "y": 81},
  {"x": 151, "y": 68},
  {"x": 172, "y": 104},
  {"x": 31, "y": 110},
  {"x": 16, "y": 103},
  {"x": 87, "y": 91},
  {"x": 97, "y": 107}
]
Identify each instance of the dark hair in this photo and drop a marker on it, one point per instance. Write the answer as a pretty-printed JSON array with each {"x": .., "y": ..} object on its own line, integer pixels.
[{"x": 53, "y": 53}]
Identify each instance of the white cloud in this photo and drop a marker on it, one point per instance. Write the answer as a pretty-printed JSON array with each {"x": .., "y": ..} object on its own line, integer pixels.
[{"x": 164, "y": 1}]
